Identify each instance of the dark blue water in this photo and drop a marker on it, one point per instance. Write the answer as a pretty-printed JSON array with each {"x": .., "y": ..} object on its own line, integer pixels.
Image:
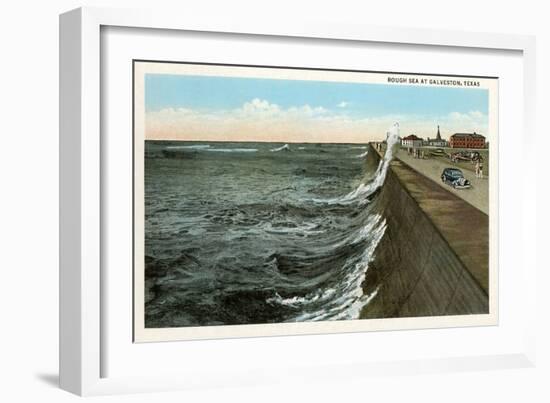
[{"x": 242, "y": 233}]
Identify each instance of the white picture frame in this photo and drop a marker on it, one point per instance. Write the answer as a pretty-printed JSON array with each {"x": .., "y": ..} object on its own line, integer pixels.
[{"x": 82, "y": 347}]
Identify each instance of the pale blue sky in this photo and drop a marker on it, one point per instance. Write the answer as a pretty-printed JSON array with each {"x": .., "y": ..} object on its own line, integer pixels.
[
  {"x": 206, "y": 107},
  {"x": 364, "y": 100}
]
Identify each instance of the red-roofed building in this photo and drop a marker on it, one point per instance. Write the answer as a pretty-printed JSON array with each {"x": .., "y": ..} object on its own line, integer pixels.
[
  {"x": 411, "y": 141},
  {"x": 467, "y": 140}
]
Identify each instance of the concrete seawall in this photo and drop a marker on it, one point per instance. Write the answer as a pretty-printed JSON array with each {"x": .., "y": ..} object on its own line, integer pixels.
[{"x": 433, "y": 258}]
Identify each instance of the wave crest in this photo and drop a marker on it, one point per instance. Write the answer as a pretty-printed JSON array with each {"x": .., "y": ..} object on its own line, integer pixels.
[
  {"x": 286, "y": 147},
  {"x": 361, "y": 193},
  {"x": 345, "y": 300}
]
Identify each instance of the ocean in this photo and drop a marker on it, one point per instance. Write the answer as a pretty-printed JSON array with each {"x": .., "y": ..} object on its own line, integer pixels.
[{"x": 251, "y": 233}]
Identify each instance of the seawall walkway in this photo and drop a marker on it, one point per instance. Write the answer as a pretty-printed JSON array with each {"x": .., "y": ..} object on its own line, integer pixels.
[
  {"x": 434, "y": 256},
  {"x": 477, "y": 195}
]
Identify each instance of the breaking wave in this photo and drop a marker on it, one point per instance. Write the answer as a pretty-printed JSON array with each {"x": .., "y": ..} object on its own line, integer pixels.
[
  {"x": 191, "y": 147},
  {"x": 361, "y": 193},
  {"x": 345, "y": 299},
  {"x": 286, "y": 147},
  {"x": 232, "y": 150},
  {"x": 209, "y": 148},
  {"x": 262, "y": 250}
]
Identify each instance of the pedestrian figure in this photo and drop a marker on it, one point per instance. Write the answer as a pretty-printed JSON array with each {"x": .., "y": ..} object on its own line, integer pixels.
[
  {"x": 481, "y": 170},
  {"x": 477, "y": 169}
]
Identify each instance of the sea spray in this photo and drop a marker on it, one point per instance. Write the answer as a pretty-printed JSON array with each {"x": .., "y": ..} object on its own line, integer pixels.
[
  {"x": 361, "y": 193},
  {"x": 346, "y": 299}
]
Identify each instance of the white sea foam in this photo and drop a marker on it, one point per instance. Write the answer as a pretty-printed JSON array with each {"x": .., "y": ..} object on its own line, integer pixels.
[
  {"x": 347, "y": 301},
  {"x": 192, "y": 147},
  {"x": 365, "y": 189},
  {"x": 362, "y": 155},
  {"x": 306, "y": 228},
  {"x": 232, "y": 150},
  {"x": 207, "y": 147},
  {"x": 296, "y": 301},
  {"x": 351, "y": 299},
  {"x": 365, "y": 231},
  {"x": 285, "y": 147}
]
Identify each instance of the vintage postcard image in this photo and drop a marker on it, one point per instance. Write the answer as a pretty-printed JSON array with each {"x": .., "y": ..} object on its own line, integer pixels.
[{"x": 278, "y": 201}]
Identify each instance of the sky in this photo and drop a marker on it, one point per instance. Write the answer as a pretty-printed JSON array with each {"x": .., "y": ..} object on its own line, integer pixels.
[{"x": 260, "y": 109}]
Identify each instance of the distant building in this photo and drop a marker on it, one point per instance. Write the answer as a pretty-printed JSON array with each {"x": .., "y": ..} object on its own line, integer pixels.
[
  {"x": 438, "y": 141},
  {"x": 411, "y": 141},
  {"x": 467, "y": 140}
]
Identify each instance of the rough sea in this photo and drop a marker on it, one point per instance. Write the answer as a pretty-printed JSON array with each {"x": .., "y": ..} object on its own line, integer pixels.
[{"x": 244, "y": 233}]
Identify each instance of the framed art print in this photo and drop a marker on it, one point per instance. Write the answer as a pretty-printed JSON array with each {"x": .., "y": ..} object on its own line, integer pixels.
[
  {"x": 274, "y": 196},
  {"x": 243, "y": 202}
]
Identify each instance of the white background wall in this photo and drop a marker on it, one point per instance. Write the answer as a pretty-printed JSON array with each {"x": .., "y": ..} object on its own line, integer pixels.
[{"x": 29, "y": 187}]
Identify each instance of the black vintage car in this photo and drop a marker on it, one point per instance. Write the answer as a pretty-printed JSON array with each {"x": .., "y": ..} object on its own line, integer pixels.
[{"x": 455, "y": 178}]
